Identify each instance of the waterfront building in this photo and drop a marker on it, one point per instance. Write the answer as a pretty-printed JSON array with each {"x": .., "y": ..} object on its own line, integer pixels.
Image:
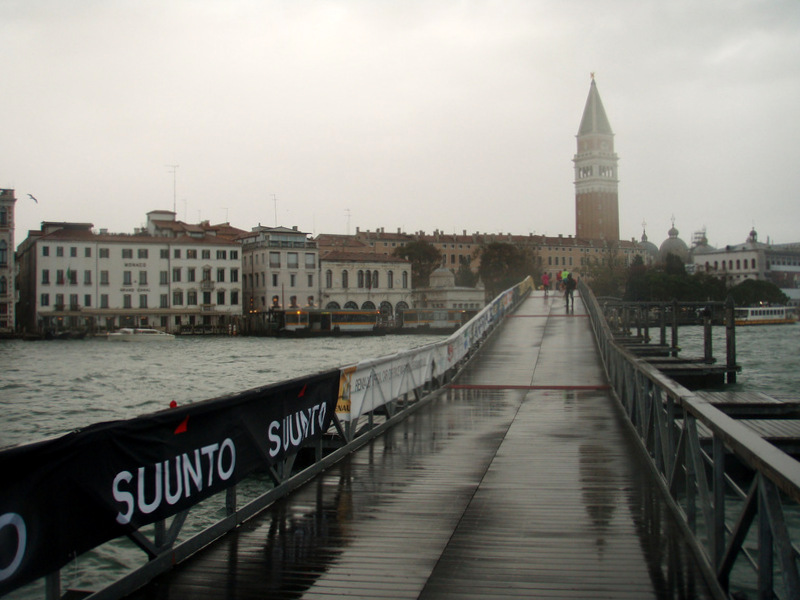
[
  {"x": 778, "y": 263},
  {"x": 365, "y": 281},
  {"x": 7, "y": 264},
  {"x": 596, "y": 180},
  {"x": 280, "y": 267},
  {"x": 444, "y": 293},
  {"x": 176, "y": 277}
]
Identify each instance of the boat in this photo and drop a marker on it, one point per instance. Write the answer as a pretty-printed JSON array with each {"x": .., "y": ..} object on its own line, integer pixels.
[
  {"x": 310, "y": 322},
  {"x": 764, "y": 315},
  {"x": 128, "y": 334}
]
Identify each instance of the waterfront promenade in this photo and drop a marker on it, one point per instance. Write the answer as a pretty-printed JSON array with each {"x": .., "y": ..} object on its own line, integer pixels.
[{"x": 520, "y": 481}]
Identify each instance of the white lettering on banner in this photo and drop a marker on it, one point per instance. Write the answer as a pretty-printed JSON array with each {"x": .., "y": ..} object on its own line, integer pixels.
[
  {"x": 17, "y": 522},
  {"x": 295, "y": 428},
  {"x": 187, "y": 472}
]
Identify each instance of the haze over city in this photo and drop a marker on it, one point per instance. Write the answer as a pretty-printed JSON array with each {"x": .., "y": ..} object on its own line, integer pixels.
[{"x": 414, "y": 115}]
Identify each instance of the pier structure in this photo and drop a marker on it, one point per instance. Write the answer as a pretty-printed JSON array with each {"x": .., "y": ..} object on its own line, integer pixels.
[{"x": 551, "y": 462}]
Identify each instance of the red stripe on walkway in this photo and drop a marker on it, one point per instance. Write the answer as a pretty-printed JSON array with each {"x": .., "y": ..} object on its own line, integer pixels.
[{"x": 487, "y": 386}]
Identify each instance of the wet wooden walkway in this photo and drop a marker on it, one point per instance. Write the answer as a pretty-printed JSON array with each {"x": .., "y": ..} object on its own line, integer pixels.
[{"x": 520, "y": 481}]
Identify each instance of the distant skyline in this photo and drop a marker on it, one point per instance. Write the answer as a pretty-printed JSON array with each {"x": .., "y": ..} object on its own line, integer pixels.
[{"x": 414, "y": 115}]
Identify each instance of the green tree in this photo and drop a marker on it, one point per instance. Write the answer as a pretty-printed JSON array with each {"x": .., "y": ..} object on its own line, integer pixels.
[
  {"x": 502, "y": 266},
  {"x": 752, "y": 292},
  {"x": 465, "y": 276},
  {"x": 608, "y": 276},
  {"x": 424, "y": 258}
]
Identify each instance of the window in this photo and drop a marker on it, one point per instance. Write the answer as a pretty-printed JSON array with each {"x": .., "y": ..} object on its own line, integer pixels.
[
  {"x": 127, "y": 278},
  {"x": 345, "y": 279},
  {"x": 328, "y": 278},
  {"x": 206, "y": 254},
  {"x": 142, "y": 277},
  {"x": 310, "y": 280},
  {"x": 234, "y": 275},
  {"x": 104, "y": 253},
  {"x": 59, "y": 250},
  {"x": 45, "y": 250},
  {"x": 190, "y": 274},
  {"x": 87, "y": 277},
  {"x": 360, "y": 282},
  {"x": 177, "y": 297},
  {"x": 73, "y": 251},
  {"x": 375, "y": 279},
  {"x": 234, "y": 255},
  {"x": 405, "y": 279},
  {"x": 390, "y": 279},
  {"x": 207, "y": 274},
  {"x": 103, "y": 300},
  {"x": 44, "y": 299},
  {"x": 164, "y": 253},
  {"x": 206, "y": 298},
  {"x": 45, "y": 276},
  {"x": 176, "y": 253},
  {"x": 142, "y": 253},
  {"x": 221, "y": 297},
  {"x": 221, "y": 275},
  {"x": 291, "y": 260},
  {"x": 311, "y": 263},
  {"x": 127, "y": 253},
  {"x": 191, "y": 254},
  {"x": 3, "y": 253},
  {"x": 142, "y": 300},
  {"x": 176, "y": 274},
  {"x": 234, "y": 298},
  {"x": 274, "y": 280},
  {"x": 292, "y": 280},
  {"x": 164, "y": 301},
  {"x": 59, "y": 277},
  {"x": 3, "y": 288},
  {"x": 221, "y": 254},
  {"x": 59, "y": 301},
  {"x": 72, "y": 277},
  {"x": 103, "y": 277},
  {"x": 275, "y": 260},
  {"x": 126, "y": 301},
  {"x": 87, "y": 300},
  {"x": 87, "y": 252},
  {"x": 191, "y": 298},
  {"x": 164, "y": 277}
]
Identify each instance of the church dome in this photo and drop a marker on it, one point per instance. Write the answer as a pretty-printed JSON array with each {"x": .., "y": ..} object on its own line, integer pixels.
[
  {"x": 673, "y": 245},
  {"x": 649, "y": 248}
]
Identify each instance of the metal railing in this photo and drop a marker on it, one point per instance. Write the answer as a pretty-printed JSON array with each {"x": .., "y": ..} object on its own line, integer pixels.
[{"x": 737, "y": 496}]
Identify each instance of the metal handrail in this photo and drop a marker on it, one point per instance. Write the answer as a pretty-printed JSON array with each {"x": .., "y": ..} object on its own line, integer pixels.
[{"x": 731, "y": 489}]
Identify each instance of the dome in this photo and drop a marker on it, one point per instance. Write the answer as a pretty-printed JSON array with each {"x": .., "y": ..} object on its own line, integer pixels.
[
  {"x": 701, "y": 246},
  {"x": 442, "y": 278},
  {"x": 673, "y": 245},
  {"x": 649, "y": 248}
]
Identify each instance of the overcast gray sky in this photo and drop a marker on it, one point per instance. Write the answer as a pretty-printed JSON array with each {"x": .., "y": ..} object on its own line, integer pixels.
[{"x": 413, "y": 114}]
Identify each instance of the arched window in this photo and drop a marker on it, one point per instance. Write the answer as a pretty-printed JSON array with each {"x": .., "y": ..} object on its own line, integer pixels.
[
  {"x": 368, "y": 280},
  {"x": 3, "y": 253},
  {"x": 344, "y": 279},
  {"x": 360, "y": 278},
  {"x": 328, "y": 278},
  {"x": 368, "y": 305},
  {"x": 400, "y": 307},
  {"x": 350, "y": 305},
  {"x": 405, "y": 279},
  {"x": 375, "y": 279},
  {"x": 386, "y": 309},
  {"x": 3, "y": 216},
  {"x": 333, "y": 305},
  {"x": 390, "y": 279}
]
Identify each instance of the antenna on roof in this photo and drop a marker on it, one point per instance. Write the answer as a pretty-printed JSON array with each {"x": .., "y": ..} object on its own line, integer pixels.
[{"x": 174, "y": 183}]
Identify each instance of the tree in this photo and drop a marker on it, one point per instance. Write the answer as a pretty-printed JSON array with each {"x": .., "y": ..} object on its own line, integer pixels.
[
  {"x": 465, "y": 277},
  {"x": 752, "y": 292},
  {"x": 424, "y": 258},
  {"x": 607, "y": 277},
  {"x": 502, "y": 266}
]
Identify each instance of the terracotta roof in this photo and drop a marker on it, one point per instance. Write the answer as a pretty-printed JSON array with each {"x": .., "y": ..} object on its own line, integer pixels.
[{"x": 340, "y": 256}]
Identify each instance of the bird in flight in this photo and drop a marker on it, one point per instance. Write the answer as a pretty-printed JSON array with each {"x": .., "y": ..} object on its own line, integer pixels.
[{"x": 32, "y": 198}]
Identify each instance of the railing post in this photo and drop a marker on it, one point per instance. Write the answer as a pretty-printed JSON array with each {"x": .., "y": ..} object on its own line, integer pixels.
[
  {"x": 766, "y": 582},
  {"x": 730, "y": 340},
  {"x": 708, "y": 351},
  {"x": 718, "y": 540},
  {"x": 674, "y": 329},
  {"x": 52, "y": 586}
]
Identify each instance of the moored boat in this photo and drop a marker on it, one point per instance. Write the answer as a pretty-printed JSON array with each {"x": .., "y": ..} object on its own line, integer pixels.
[
  {"x": 764, "y": 315},
  {"x": 128, "y": 334}
]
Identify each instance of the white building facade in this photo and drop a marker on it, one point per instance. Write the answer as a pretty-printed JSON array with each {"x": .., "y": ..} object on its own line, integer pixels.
[
  {"x": 365, "y": 281},
  {"x": 79, "y": 280},
  {"x": 280, "y": 268}
]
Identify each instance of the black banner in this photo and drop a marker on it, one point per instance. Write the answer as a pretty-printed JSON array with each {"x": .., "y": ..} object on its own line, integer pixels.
[{"x": 65, "y": 496}]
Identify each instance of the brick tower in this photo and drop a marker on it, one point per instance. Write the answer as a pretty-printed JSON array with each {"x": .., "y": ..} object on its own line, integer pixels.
[{"x": 596, "y": 183}]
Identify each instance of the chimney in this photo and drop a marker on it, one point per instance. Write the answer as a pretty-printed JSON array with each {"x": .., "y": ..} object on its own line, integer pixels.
[
  {"x": 294, "y": 227},
  {"x": 357, "y": 229}
]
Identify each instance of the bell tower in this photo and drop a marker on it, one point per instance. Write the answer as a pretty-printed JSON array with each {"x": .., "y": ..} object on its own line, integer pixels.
[{"x": 596, "y": 183}]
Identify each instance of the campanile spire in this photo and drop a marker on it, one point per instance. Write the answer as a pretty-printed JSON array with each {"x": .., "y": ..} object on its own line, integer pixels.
[{"x": 596, "y": 183}]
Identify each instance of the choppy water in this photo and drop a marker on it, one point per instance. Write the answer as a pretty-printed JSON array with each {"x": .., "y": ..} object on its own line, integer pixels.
[{"x": 51, "y": 388}]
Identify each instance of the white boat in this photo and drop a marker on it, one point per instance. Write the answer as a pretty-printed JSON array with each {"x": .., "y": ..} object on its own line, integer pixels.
[
  {"x": 764, "y": 315},
  {"x": 128, "y": 334}
]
